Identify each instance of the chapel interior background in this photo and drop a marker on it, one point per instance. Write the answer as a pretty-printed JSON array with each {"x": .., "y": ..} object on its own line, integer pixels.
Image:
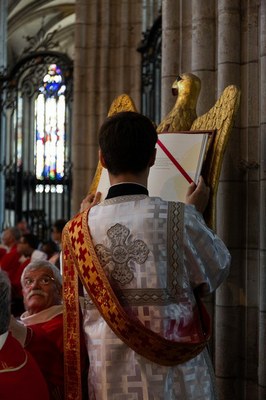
[{"x": 63, "y": 62}]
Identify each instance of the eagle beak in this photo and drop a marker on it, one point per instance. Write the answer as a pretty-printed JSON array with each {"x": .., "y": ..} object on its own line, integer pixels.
[
  {"x": 174, "y": 91},
  {"x": 175, "y": 86}
]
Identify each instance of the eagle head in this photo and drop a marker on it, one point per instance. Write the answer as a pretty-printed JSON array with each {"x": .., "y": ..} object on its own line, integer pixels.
[{"x": 188, "y": 84}]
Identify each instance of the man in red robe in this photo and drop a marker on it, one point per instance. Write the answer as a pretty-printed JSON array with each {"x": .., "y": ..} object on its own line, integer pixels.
[
  {"x": 10, "y": 260},
  {"x": 11, "y": 263},
  {"x": 20, "y": 377},
  {"x": 27, "y": 247},
  {"x": 41, "y": 330}
]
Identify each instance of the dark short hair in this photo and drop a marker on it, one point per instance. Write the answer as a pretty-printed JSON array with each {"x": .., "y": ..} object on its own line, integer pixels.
[
  {"x": 127, "y": 141},
  {"x": 31, "y": 239},
  {"x": 59, "y": 224},
  {"x": 51, "y": 245}
]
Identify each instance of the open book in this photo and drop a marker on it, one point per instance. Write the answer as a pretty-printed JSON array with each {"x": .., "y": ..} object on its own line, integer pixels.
[{"x": 178, "y": 162}]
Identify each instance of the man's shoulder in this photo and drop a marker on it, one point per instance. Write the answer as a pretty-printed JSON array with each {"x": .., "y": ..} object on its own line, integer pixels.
[
  {"x": 10, "y": 259},
  {"x": 55, "y": 322},
  {"x": 12, "y": 354}
]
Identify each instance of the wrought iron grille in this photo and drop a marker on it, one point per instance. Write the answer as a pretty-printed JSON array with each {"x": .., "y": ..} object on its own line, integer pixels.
[
  {"x": 151, "y": 52},
  {"x": 43, "y": 200}
]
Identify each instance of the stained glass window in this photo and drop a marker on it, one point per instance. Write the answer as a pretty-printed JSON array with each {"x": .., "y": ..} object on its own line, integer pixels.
[{"x": 50, "y": 126}]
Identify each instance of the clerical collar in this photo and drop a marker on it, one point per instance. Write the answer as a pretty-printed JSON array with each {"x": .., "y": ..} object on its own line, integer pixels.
[{"x": 126, "y": 189}]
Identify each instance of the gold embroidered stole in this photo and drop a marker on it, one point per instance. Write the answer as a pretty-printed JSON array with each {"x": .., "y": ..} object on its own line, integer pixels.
[
  {"x": 71, "y": 318},
  {"x": 80, "y": 260}
]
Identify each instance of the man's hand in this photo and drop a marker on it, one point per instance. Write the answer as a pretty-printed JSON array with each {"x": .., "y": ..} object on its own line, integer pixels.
[
  {"x": 90, "y": 201},
  {"x": 198, "y": 195}
]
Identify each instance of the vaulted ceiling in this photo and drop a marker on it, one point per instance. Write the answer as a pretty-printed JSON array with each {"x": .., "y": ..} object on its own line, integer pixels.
[{"x": 38, "y": 25}]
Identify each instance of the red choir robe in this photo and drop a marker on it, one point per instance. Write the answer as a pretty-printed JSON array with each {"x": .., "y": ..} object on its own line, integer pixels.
[
  {"x": 2, "y": 251},
  {"x": 16, "y": 279},
  {"x": 20, "y": 377},
  {"x": 45, "y": 343},
  {"x": 9, "y": 262}
]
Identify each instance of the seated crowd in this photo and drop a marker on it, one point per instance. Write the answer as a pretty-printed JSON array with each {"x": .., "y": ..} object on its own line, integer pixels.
[
  {"x": 31, "y": 316},
  {"x": 18, "y": 248}
]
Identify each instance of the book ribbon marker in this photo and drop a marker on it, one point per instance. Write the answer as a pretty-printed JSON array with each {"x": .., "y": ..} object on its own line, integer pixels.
[{"x": 175, "y": 162}]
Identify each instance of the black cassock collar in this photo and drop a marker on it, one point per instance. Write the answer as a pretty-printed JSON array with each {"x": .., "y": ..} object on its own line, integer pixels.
[{"x": 126, "y": 189}]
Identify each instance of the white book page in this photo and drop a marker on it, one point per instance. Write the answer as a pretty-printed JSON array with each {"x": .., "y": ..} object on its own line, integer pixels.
[
  {"x": 104, "y": 184},
  {"x": 165, "y": 180}
]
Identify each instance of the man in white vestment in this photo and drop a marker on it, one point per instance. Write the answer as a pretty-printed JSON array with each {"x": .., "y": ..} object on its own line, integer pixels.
[{"x": 156, "y": 255}]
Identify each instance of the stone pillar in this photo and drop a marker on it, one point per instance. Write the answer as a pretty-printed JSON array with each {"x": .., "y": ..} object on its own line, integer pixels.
[
  {"x": 238, "y": 197},
  {"x": 107, "y": 64},
  {"x": 170, "y": 51},
  {"x": 203, "y": 51},
  {"x": 262, "y": 212},
  {"x": 3, "y": 65},
  {"x": 231, "y": 215}
]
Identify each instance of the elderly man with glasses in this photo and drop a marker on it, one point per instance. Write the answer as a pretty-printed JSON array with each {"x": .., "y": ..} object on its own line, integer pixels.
[
  {"x": 17, "y": 367},
  {"x": 40, "y": 329}
]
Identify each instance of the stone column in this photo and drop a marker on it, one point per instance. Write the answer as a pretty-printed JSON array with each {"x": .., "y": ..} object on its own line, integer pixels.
[
  {"x": 170, "y": 51},
  {"x": 262, "y": 212},
  {"x": 203, "y": 51},
  {"x": 3, "y": 65},
  {"x": 236, "y": 322},
  {"x": 107, "y": 64}
]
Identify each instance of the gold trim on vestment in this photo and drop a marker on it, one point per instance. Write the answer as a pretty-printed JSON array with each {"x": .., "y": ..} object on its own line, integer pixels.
[{"x": 71, "y": 319}]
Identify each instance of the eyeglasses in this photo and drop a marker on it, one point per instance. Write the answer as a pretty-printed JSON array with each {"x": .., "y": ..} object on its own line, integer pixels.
[{"x": 42, "y": 281}]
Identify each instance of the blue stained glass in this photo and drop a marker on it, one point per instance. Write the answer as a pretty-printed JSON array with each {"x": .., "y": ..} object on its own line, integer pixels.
[
  {"x": 52, "y": 82},
  {"x": 50, "y": 126}
]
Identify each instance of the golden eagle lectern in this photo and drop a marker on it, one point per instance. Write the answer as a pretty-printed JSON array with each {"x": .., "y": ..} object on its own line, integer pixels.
[{"x": 183, "y": 117}]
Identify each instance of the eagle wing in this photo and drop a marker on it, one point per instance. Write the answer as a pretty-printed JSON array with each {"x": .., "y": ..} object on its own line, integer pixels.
[
  {"x": 121, "y": 103},
  {"x": 219, "y": 118}
]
